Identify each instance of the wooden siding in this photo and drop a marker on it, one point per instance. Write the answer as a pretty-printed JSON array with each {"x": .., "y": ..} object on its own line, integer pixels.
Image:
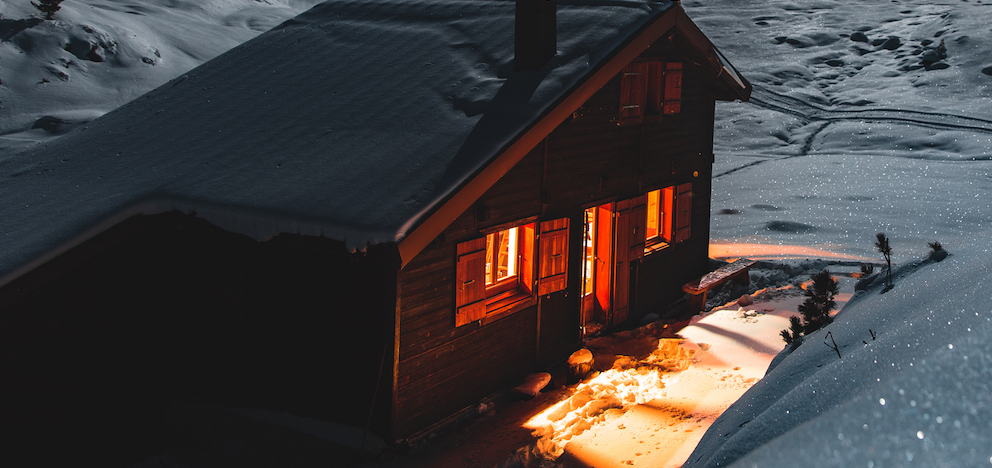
[{"x": 587, "y": 160}]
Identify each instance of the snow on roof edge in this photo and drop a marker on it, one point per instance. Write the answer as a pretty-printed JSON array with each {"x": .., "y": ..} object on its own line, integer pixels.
[{"x": 252, "y": 223}]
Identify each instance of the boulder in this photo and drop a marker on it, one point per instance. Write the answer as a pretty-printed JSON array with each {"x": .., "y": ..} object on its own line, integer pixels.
[{"x": 580, "y": 364}]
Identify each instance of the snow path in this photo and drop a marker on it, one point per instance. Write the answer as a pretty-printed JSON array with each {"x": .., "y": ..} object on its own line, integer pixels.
[{"x": 734, "y": 347}]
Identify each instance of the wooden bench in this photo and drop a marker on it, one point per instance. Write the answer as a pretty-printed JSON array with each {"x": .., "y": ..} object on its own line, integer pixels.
[{"x": 737, "y": 271}]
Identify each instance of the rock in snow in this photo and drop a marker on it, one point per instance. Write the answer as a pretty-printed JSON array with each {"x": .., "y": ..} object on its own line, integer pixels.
[{"x": 533, "y": 384}]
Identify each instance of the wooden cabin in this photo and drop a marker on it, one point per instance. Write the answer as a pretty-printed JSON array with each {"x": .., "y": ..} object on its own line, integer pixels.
[{"x": 378, "y": 213}]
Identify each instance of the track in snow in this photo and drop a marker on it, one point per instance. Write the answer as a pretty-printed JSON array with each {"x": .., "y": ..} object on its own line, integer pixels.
[
  {"x": 810, "y": 113},
  {"x": 765, "y": 98}
]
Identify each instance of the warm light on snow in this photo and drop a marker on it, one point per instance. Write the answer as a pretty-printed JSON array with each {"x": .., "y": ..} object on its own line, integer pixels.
[
  {"x": 728, "y": 251},
  {"x": 655, "y": 402},
  {"x": 609, "y": 394}
]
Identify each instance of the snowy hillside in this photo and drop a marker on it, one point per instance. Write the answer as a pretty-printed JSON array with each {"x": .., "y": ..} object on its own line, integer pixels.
[
  {"x": 912, "y": 385},
  {"x": 99, "y": 54},
  {"x": 863, "y": 119}
]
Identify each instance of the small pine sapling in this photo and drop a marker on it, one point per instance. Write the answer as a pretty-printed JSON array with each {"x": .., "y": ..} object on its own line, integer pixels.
[
  {"x": 794, "y": 332},
  {"x": 882, "y": 245},
  {"x": 815, "y": 309},
  {"x": 48, "y": 7},
  {"x": 819, "y": 302}
]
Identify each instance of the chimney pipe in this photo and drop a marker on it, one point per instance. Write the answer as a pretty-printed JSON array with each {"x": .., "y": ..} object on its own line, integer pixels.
[{"x": 535, "y": 33}]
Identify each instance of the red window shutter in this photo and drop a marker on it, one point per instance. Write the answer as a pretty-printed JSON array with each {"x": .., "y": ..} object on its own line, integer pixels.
[
  {"x": 553, "y": 254},
  {"x": 638, "y": 226},
  {"x": 673, "y": 88},
  {"x": 655, "y": 87},
  {"x": 527, "y": 257},
  {"x": 470, "y": 282},
  {"x": 667, "y": 213},
  {"x": 632, "y": 92},
  {"x": 683, "y": 213}
]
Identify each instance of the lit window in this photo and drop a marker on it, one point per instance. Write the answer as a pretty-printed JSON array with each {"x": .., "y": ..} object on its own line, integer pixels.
[
  {"x": 669, "y": 213},
  {"x": 496, "y": 274},
  {"x": 659, "y": 216},
  {"x": 501, "y": 255}
]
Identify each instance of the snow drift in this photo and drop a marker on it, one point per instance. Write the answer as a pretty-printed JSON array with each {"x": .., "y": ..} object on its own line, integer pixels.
[{"x": 913, "y": 383}]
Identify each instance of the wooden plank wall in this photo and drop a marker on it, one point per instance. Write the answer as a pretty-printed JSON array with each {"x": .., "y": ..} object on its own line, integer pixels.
[
  {"x": 441, "y": 368},
  {"x": 587, "y": 160}
]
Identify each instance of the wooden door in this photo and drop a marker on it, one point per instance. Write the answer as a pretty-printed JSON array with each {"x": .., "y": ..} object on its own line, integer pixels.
[
  {"x": 604, "y": 262},
  {"x": 628, "y": 245}
]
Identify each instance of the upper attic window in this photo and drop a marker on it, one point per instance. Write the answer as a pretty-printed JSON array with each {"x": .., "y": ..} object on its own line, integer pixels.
[{"x": 649, "y": 89}]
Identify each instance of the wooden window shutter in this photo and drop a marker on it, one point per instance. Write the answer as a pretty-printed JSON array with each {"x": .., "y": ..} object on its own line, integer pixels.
[
  {"x": 553, "y": 254},
  {"x": 655, "y": 87},
  {"x": 683, "y": 212},
  {"x": 638, "y": 226},
  {"x": 632, "y": 92},
  {"x": 470, "y": 282},
  {"x": 668, "y": 213},
  {"x": 527, "y": 257},
  {"x": 673, "y": 88}
]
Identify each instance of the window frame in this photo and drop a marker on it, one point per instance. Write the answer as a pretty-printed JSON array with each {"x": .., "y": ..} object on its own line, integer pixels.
[
  {"x": 663, "y": 210},
  {"x": 673, "y": 213},
  {"x": 496, "y": 285}
]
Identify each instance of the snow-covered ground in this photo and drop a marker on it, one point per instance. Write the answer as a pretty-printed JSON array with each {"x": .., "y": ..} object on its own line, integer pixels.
[
  {"x": 865, "y": 117},
  {"x": 844, "y": 138},
  {"x": 99, "y": 54}
]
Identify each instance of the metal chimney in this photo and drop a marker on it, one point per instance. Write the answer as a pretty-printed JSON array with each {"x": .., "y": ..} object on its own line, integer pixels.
[{"x": 535, "y": 33}]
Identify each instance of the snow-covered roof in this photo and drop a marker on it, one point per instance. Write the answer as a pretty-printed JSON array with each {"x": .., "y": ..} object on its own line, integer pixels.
[{"x": 353, "y": 121}]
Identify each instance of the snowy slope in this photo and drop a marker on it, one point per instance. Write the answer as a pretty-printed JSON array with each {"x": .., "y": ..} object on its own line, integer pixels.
[
  {"x": 917, "y": 394},
  {"x": 100, "y": 54}
]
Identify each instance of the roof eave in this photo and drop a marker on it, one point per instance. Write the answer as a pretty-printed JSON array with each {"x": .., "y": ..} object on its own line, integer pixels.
[{"x": 734, "y": 84}]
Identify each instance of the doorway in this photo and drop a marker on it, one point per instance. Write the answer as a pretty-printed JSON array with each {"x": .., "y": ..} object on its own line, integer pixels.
[
  {"x": 597, "y": 249},
  {"x": 613, "y": 237}
]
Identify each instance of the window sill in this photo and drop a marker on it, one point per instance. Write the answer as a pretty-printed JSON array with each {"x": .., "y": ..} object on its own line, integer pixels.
[
  {"x": 656, "y": 247},
  {"x": 505, "y": 304}
]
